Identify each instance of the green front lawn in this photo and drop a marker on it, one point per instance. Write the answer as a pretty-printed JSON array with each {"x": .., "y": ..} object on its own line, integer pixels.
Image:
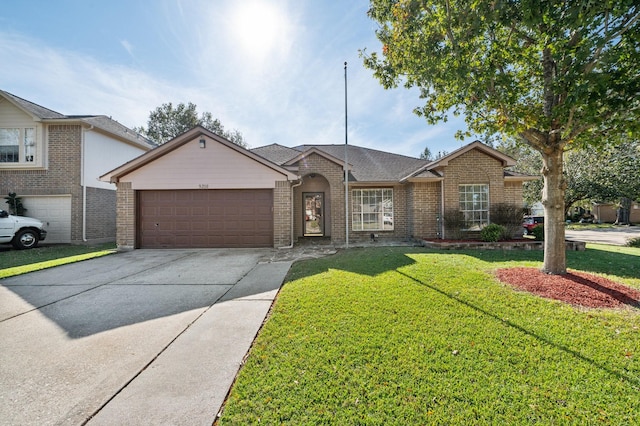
[
  {"x": 16, "y": 262},
  {"x": 414, "y": 336}
]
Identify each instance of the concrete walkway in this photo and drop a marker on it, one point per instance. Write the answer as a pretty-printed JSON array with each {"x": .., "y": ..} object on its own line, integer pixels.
[{"x": 149, "y": 337}]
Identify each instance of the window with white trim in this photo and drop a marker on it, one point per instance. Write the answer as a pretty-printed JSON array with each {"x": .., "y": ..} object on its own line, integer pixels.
[
  {"x": 474, "y": 204},
  {"x": 372, "y": 209},
  {"x": 18, "y": 145}
]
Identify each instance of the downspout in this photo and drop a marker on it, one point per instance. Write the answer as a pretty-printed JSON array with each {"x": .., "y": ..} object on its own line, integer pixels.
[{"x": 292, "y": 215}]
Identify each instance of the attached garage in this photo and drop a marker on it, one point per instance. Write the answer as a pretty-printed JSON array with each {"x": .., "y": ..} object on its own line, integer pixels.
[
  {"x": 200, "y": 190},
  {"x": 205, "y": 218}
]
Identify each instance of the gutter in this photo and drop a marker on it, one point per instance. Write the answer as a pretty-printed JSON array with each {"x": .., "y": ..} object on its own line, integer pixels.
[{"x": 292, "y": 209}]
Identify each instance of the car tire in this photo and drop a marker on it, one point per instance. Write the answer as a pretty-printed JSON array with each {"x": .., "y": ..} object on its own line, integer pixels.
[{"x": 25, "y": 239}]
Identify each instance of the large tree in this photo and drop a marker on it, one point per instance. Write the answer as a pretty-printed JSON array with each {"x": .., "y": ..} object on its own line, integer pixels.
[
  {"x": 166, "y": 122},
  {"x": 559, "y": 74}
]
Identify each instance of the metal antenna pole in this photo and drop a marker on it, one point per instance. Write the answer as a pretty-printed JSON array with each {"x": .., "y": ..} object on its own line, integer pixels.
[{"x": 346, "y": 163}]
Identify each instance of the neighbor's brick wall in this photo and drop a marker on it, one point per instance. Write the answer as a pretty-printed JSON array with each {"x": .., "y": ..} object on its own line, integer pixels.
[
  {"x": 125, "y": 216},
  {"x": 282, "y": 214},
  {"x": 61, "y": 176},
  {"x": 424, "y": 208},
  {"x": 473, "y": 167},
  {"x": 101, "y": 215}
]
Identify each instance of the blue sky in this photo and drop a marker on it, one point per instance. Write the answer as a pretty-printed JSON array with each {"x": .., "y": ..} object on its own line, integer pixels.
[{"x": 272, "y": 69}]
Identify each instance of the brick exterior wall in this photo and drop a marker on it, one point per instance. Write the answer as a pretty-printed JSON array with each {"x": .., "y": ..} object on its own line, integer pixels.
[
  {"x": 62, "y": 175},
  {"x": 282, "y": 214},
  {"x": 333, "y": 174},
  {"x": 125, "y": 216},
  {"x": 101, "y": 215},
  {"x": 423, "y": 208},
  {"x": 513, "y": 193}
]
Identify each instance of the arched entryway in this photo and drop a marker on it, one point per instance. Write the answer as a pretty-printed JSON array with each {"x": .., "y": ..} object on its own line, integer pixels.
[{"x": 313, "y": 207}]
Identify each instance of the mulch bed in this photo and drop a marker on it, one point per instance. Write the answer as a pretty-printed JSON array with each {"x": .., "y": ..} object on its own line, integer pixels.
[{"x": 575, "y": 288}]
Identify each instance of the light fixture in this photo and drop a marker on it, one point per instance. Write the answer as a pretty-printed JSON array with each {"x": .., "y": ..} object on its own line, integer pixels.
[{"x": 203, "y": 143}]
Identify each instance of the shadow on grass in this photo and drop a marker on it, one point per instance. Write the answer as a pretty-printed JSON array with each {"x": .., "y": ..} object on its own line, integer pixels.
[
  {"x": 591, "y": 260},
  {"x": 603, "y": 367},
  {"x": 385, "y": 259}
]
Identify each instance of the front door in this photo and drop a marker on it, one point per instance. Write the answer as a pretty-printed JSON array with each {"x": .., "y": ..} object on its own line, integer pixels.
[{"x": 313, "y": 209}]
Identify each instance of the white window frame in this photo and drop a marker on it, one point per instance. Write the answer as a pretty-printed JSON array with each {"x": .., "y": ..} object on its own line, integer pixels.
[
  {"x": 372, "y": 209},
  {"x": 474, "y": 204},
  {"x": 27, "y": 146}
]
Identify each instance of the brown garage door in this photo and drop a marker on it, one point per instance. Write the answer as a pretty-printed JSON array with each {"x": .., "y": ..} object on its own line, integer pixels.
[{"x": 205, "y": 218}]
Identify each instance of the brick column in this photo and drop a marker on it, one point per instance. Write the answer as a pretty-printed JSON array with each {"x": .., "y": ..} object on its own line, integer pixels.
[
  {"x": 282, "y": 211},
  {"x": 125, "y": 216}
]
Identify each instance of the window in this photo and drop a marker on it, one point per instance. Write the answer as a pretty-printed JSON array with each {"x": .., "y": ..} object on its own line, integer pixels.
[
  {"x": 14, "y": 141},
  {"x": 372, "y": 209},
  {"x": 474, "y": 204},
  {"x": 9, "y": 145}
]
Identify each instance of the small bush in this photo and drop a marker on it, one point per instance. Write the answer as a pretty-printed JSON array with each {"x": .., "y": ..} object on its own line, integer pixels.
[
  {"x": 454, "y": 223},
  {"x": 538, "y": 232},
  {"x": 633, "y": 242},
  {"x": 492, "y": 233},
  {"x": 509, "y": 216}
]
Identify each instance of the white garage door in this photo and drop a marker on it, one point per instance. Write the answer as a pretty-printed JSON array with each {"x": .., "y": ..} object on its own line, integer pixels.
[{"x": 54, "y": 211}]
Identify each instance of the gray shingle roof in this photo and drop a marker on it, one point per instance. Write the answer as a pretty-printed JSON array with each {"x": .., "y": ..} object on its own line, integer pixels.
[
  {"x": 276, "y": 153},
  {"x": 34, "y": 109},
  {"x": 368, "y": 165},
  {"x": 99, "y": 121}
]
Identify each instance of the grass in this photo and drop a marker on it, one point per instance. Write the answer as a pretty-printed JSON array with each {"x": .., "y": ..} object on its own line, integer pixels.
[
  {"x": 414, "y": 336},
  {"x": 16, "y": 262},
  {"x": 583, "y": 226}
]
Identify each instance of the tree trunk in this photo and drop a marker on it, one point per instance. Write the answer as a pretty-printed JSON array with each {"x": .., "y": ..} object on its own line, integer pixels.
[
  {"x": 555, "y": 261},
  {"x": 623, "y": 215}
]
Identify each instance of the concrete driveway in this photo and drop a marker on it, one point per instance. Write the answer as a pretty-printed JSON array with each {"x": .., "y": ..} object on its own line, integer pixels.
[
  {"x": 614, "y": 236},
  {"x": 142, "y": 337}
]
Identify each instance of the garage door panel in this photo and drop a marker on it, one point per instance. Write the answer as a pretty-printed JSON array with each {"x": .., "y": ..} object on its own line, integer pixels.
[{"x": 205, "y": 218}]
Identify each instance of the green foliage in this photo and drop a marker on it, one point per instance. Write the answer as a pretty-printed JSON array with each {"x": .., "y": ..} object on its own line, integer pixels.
[
  {"x": 509, "y": 216},
  {"x": 492, "y": 232},
  {"x": 559, "y": 75},
  {"x": 404, "y": 336},
  {"x": 15, "y": 204},
  {"x": 454, "y": 223},
  {"x": 634, "y": 242},
  {"x": 538, "y": 232},
  {"x": 166, "y": 122}
]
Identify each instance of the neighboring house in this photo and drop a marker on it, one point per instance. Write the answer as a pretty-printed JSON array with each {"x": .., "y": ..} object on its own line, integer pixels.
[
  {"x": 608, "y": 212},
  {"x": 53, "y": 162},
  {"x": 200, "y": 190}
]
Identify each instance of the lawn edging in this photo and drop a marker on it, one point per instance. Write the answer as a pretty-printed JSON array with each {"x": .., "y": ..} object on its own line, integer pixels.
[
  {"x": 32, "y": 267},
  {"x": 499, "y": 245}
]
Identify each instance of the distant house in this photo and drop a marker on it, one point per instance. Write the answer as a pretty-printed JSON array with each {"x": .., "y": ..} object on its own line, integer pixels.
[
  {"x": 200, "y": 190},
  {"x": 53, "y": 161}
]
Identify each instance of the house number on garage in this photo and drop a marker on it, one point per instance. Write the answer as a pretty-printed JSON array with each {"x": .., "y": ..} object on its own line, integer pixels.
[{"x": 203, "y": 186}]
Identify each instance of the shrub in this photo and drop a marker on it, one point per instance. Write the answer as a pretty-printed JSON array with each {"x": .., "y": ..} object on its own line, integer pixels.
[
  {"x": 509, "y": 216},
  {"x": 538, "y": 232},
  {"x": 633, "y": 242},
  {"x": 492, "y": 233},
  {"x": 454, "y": 223}
]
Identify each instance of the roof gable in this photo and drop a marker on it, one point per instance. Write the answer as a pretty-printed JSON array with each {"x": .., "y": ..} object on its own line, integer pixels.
[
  {"x": 434, "y": 166},
  {"x": 34, "y": 110},
  {"x": 197, "y": 132}
]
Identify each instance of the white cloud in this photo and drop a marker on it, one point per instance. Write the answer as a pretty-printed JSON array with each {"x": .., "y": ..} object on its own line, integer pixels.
[{"x": 128, "y": 47}]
